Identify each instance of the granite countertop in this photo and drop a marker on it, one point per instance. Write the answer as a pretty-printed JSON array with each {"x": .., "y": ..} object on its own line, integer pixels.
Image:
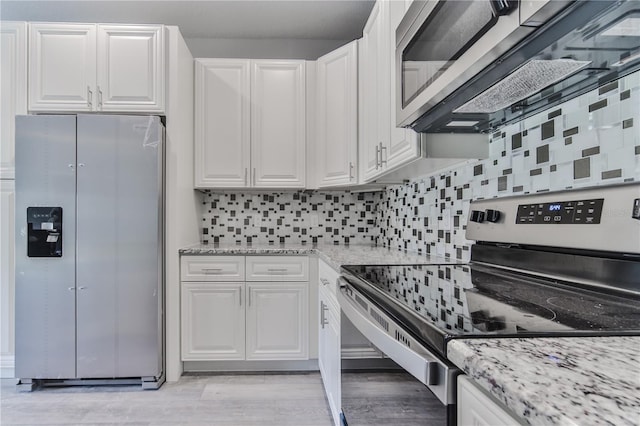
[
  {"x": 334, "y": 255},
  {"x": 557, "y": 381}
]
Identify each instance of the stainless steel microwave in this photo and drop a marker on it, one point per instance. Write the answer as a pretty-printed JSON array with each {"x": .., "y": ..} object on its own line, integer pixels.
[{"x": 469, "y": 66}]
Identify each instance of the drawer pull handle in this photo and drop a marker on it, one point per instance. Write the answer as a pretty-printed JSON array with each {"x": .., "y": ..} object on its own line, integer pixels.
[
  {"x": 277, "y": 270},
  {"x": 211, "y": 270},
  {"x": 324, "y": 281}
]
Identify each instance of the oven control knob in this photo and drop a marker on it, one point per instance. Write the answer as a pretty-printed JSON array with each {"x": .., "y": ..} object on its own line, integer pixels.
[
  {"x": 492, "y": 215},
  {"x": 477, "y": 216}
]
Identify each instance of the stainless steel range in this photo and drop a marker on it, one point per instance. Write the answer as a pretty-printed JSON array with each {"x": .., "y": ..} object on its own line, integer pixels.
[{"x": 553, "y": 264}]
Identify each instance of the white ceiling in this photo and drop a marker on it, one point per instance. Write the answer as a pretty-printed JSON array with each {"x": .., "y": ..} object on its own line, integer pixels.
[{"x": 239, "y": 19}]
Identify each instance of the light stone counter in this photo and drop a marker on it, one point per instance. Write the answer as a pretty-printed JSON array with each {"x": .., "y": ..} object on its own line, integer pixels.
[
  {"x": 333, "y": 255},
  {"x": 577, "y": 381}
]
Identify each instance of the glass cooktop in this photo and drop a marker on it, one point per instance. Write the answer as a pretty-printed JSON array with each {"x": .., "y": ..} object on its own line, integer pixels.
[{"x": 439, "y": 302}]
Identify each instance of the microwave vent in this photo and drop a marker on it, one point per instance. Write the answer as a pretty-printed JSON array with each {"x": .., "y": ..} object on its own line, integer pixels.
[{"x": 527, "y": 80}]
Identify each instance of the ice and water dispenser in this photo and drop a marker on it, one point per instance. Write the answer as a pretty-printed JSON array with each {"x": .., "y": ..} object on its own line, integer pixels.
[{"x": 44, "y": 231}]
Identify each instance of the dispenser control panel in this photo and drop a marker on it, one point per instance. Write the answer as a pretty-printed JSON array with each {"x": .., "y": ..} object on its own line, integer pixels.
[{"x": 44, "y": 231}]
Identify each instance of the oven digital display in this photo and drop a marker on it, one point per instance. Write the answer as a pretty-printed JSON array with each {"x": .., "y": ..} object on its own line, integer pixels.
[{"x": 579, "y": 212}]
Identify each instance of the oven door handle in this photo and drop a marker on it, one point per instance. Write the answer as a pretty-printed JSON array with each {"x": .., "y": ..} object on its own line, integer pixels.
[{"x": 421, "y": 364}]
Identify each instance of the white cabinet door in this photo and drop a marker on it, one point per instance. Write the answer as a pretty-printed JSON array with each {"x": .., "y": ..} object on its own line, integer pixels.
[
  {"x": 337, "y": 135},
  {"x": 222, "y": 124},
  {"x": 62, "y": 67},
  {"x": 13, "y": 86},
  {"x": 404, "y": 145},
  {"x": 383, "y": 147},
  {"x": 475, "y": 408},
  {"x": 130, "y": 65},
  {"x": 277, "y": 321},
  {"x": 374, "y": 126},
  {"x": 7, "y": 274},
  {"x": 213, "y": 321},
  {"x": 329, "y": 350},
  {"x": 278, "y": 124}
]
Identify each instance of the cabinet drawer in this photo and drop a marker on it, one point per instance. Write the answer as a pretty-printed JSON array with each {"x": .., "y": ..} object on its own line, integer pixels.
[
  {"x": 212, "y": 268},
  {"x": 277, "y": 268},
  {"x": 328, "y": 277}
]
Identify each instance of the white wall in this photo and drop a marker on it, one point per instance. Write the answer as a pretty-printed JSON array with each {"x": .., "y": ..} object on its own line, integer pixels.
[
  {"x": 269, "y": 48},
  {"x": 183, "y": 204}
]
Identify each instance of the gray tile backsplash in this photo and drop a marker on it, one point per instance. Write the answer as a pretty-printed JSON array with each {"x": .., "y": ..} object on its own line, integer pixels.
[{"x": 590, "y": 140}]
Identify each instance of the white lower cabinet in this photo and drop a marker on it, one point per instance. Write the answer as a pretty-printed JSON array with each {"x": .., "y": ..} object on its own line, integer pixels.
[
  {"x": 277, "y": 321},
  {"x": 329, "y": 350},
  {"x": 213, "y": 321},
  {"x": 475, "y": 408},
  {"x": 226, "y": 316},
  {"x": 329, "y": 344}
]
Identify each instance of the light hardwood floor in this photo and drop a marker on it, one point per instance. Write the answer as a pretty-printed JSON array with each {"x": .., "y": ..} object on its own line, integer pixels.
[{"x": 239, "y": 400}]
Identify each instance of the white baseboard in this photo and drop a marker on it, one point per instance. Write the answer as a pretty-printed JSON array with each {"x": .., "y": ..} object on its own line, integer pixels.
[{"x": 7, "y": 366}]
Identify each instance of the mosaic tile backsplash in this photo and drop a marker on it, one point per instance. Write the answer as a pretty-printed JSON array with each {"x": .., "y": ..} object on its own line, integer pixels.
[
  {"x": 337, "y": 217},
  {"x": 591, "y": 140}
]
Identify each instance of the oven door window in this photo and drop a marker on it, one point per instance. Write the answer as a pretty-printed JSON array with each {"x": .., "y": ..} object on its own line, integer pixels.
[{"x": 450, "y": 29}]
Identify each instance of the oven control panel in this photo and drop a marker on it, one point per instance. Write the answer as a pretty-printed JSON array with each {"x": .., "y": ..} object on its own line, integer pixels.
[
  {"x": 581, "y": 212},
  {"x": 602, "y": 218}
]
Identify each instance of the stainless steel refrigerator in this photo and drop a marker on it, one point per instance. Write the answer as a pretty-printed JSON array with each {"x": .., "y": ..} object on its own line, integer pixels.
[{"x": 89, "y": 249}]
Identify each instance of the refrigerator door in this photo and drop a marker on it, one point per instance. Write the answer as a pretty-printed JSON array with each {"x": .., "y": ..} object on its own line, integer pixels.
[
  {"x": 45, "y": 276},
  {"x": 119, "y": 240}
]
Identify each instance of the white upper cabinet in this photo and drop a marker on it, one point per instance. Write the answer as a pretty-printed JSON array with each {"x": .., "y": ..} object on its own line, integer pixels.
[
  {"x": 250, "y": 123},
  {"x": 337, "y": 114},
  {"x": 374, "y": 125},
  {"x": 403, "y": 143},
  {"x": 13, "y": 87},
  {"x": 62, "y": 67},
  {"x": 278, "y": 124},
  {"x": 382, "y": 147},
  {"x": 222, "y": 126},
  {"x": 130, "y": 65},
  {"x": 89, "y": 67}
]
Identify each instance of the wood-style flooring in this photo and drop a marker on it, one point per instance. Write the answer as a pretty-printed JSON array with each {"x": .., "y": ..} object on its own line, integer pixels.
[{"x": 238, "y": 400}]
